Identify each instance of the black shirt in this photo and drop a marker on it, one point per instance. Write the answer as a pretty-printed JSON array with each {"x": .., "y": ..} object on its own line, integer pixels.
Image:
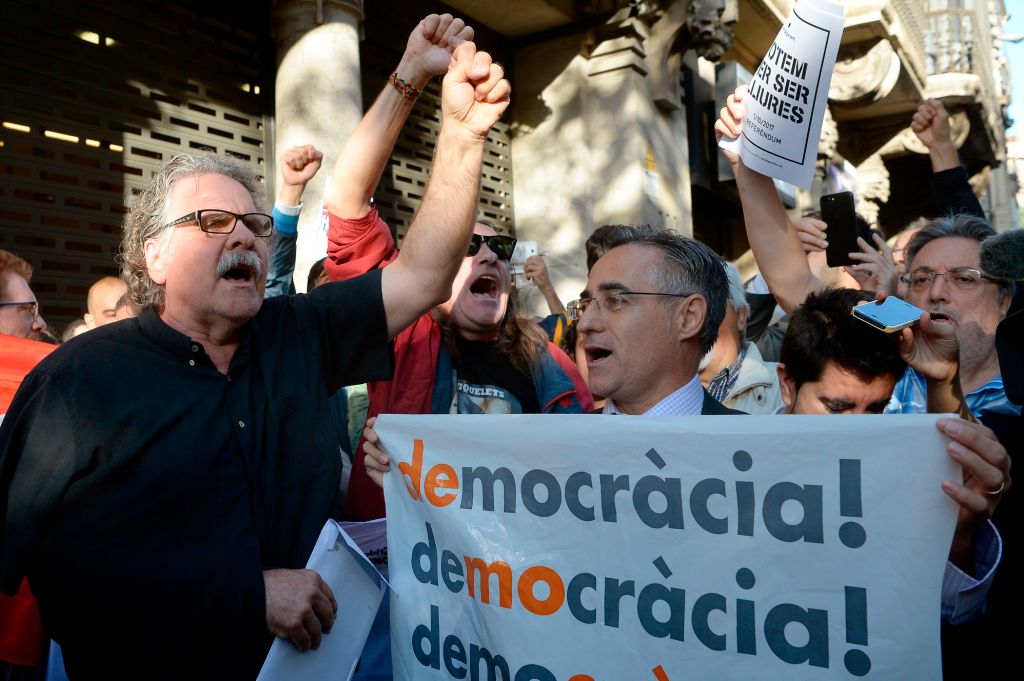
[
  {"x": 488, "y": 383},
  {"x": 144, "y": 492}
]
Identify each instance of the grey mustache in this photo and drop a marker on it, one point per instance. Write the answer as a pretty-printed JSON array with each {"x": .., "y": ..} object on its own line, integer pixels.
[{"x": 233, "y": 259}]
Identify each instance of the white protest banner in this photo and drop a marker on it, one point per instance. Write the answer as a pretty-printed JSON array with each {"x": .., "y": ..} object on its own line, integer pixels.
[
  {"x": 598, "y": 548},
  {"x": 787, "y": 96}
]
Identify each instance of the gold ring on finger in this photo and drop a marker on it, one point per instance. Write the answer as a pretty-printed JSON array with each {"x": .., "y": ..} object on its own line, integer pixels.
[{"x": 1002, "y": 486}]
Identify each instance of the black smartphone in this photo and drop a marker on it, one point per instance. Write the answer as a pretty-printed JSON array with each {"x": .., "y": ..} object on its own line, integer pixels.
[{"x": 838, "y": 214}]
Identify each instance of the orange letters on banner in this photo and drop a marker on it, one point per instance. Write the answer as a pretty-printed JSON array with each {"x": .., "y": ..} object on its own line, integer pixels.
[
  {"x": 554, "y": 599},
  {"x": 441, "y": 477},
  {"x": 484, "y": 572},
  {"x": 412, "y": 471}
]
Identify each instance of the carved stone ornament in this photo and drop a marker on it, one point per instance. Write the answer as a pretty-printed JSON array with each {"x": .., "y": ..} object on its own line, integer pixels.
[
  {"x": 872, "y": 187},
  {"x": 828, "y": 145},
  {"x": 865, "y": 74},
  {"x": 981, "y": 180},
  {"x": 682, "y": 26},
  {"x": 829, "y": 142},
  {"x": 704, "y": 32}
]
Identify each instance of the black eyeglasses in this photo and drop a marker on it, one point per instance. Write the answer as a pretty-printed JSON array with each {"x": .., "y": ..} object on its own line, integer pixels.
[
  {"x": 500, "y": 245},
  {"x": 224, "y": 221},
  {"x": 26, "y": 308},
  {"x": 611, "y": 302}
]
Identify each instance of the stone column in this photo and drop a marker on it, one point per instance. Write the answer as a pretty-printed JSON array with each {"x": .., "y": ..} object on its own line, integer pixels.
[
  {"x": 318, "y": 99},
  {"x": 590, "y": 147},
  {"x": 632, "y": 151}
]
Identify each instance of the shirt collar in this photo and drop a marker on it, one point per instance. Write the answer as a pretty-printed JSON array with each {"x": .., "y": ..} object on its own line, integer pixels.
[
  {"x": 157, "y": 330},
  {"x": 181, "y": 346},
  {"x": 724, "y": 380},
  {"x": 687, "y": 401}
]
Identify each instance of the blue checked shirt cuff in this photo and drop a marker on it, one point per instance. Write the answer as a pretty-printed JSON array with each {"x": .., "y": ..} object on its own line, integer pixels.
[{"x": 963, "y": 596}]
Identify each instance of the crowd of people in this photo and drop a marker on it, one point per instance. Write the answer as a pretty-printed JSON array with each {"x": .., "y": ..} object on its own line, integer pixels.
[{"x": 165, "y": 472}]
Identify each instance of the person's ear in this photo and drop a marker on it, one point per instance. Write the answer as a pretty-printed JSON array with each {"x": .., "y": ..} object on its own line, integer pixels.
[
  {"x": 742, "y": 315},
  {"x": 157, "y": 257},
  {"x": 787, "y": 387},
  {"x": 90, "y": 323},
  {"x": 691, "y": 317},
  {"x": 1004, "y": 304}
]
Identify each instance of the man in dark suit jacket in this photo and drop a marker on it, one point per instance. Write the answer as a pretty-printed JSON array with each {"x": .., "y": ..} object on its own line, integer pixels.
[{"x": 651, "y": 310}]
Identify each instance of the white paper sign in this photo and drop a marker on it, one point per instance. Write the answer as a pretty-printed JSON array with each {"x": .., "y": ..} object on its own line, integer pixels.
[
  {"x": 372, "y": 539},
  {"x": 359, "y": 590},
  {"x": 787, "y": 96},
  {"x": 598, "y": 548}
]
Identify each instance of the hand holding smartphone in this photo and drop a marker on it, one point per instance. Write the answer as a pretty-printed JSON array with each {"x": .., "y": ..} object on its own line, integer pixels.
[{"x": 840, "y": 218}]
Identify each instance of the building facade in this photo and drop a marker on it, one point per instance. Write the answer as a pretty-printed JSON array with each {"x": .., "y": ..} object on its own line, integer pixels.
[{"x": 611, "y": 117}]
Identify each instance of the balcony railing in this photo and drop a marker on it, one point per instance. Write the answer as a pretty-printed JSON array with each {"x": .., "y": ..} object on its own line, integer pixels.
[
  {"x": 959, "y": 40},
  {"x": 914, "y": 20}
]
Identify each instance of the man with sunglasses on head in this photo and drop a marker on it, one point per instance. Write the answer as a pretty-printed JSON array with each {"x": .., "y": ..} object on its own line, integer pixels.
[
  {"x": 163, "y": 480},
  {"x": 472, "y": 353}
]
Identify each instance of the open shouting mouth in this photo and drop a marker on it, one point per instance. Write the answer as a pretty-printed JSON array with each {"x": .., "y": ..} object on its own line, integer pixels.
[
  {"x": 596, "y": 354},
  {"x": 485, "y": 286}
]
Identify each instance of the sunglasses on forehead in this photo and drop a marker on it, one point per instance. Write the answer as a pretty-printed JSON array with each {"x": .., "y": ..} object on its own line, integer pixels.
[{"x": 500, "y": 245}]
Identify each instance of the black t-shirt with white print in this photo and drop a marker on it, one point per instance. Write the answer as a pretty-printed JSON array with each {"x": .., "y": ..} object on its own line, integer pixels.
[{"x": 488, "y": 383}]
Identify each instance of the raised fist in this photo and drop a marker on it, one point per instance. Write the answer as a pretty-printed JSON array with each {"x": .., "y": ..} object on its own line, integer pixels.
[
  {"x": 300, "y": 164},
  {"x": 931, "y": 123},
  {"x": 430, "y": 47},
  {"x": 475, "y": 92}
]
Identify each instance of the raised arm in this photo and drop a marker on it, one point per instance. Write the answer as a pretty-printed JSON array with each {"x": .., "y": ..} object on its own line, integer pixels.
[
  {"x": 931, "y": 125},
  {"x": 364, "y": 156},
  {"x": 773, "y": 237},
  {"x": 473, "y": 97},
  {"x": 536, "y": 270},
  {"x": 298, "y": 166}
]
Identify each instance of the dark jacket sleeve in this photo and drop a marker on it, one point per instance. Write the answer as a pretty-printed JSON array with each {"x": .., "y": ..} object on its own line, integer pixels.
[
  {"x": 38, "y": 459},
  {"x": 762, "y": 305},
  {"x": 770, "y": 342},
  {"x": 955, "y": 194}
]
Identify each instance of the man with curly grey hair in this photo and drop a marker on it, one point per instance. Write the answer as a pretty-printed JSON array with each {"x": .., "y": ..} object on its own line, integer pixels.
[{"x": 163, "y": 479}]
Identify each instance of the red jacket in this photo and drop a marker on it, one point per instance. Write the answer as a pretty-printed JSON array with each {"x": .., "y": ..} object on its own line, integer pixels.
[
  {"x": 357, "y": 246},
  {"x": 22, "y": 639}
]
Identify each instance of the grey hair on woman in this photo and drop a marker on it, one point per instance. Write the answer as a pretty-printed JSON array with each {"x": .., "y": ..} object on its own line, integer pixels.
[{"x": 147, "y": 217}]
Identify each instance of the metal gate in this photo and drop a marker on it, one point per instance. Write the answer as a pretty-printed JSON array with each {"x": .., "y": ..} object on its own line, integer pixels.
[{"x": 93, "y": 95}]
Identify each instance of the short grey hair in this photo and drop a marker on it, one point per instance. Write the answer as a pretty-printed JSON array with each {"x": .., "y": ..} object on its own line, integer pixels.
[
  {"x": 147, "y": 216},
  {"x": 688, "y": 266},
  {"x": 963, "y": 226},
  {"x": 737, "y": 296}
]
